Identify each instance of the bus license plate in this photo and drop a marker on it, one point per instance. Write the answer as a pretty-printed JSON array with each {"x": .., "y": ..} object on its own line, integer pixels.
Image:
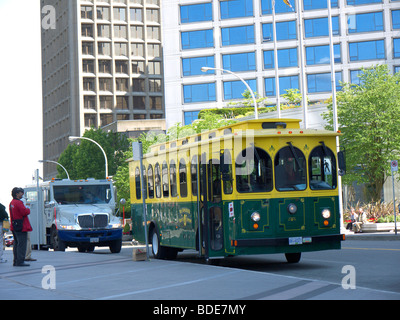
[
  {"x": 293, "y": 241},
  {"x": 94, "y": 240}
]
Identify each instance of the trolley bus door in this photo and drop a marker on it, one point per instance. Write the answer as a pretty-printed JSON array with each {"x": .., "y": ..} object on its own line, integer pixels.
[{"x": 210, "y": 199}]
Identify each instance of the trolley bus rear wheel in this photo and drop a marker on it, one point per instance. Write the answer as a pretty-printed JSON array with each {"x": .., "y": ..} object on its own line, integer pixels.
[{"x": 293, "y": 257}]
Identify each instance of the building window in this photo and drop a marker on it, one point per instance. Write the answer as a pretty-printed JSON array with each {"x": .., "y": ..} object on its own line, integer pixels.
[
  {"x": 139, "y": 103},
  {"x": 237, "y": 35},
  {"x": 138, "y": 85},
  {"x": 192, "y": 66},
  {"x": 236, "y": 8},
  {"x": 321, "y": 54},
  {"x": 88, "y": 84},
  {"x": 119, "y": 14},
  {"x": 121, "y": 66},
  {"x": 89, "y": 102},
  {"x": 120, "y": 32},
  {"x": 155, "y": 103},
  {"x": 155, "y": 85},
  {"x": 355, "y": 76},
  {"x": 318, "y": 4},
  {"x": 289, "y": 82},
  {"x": 105, "y": 84},
  {"x": 239, "y": 62},
  {"x": 235, "y": 89},
  {"x": 358, "y": 2},
  {"x": 104, "y": 48},
  {"x": 122, "y": 84},
  {"x": 87, "y": 30},
  {"x": 136, "y": 14},
  {"x": 196, "y": 13},
  {"x": 190, "y": 116},
  {"x": 90, "y": 121},
  {"x": 365, "y": 22},
  {"x": 137, "y": 49},
  {"x": 88, "y": 66},
  {"x": 321, "y": 82},
  {"x": 153, "y": 15},
  {"x": 319, "y": 27},
  {"x": 284, "y": 31},
  {"x": 197, "y": 39},
  {"x": 137, "y": 32},
  {"x": 396, "y": 19},
  {"x": 154, "y": 67},
  {"x": 153, "y": 33},
  {"x": 87, "y": 12},
  {"x": 138, "y": 67},
  {"x": 103, "y": 13},
  {"x": 106, "y": 102},
  {"x": 104, "y": 66},
  {"x": 286, "y": 58},
  {"x": 122, "y": 103},
  {"x": 153, "y": 50},
  {"x": 121, "y": 49},
  {"x": 367, "y": 50},
  {"x": 103, "y": 31},
  {"x": 105, "y": 119},
  {"x": 396, "y": 48},
  {"x": 199, "y": 92},
  {"x": 87, "y": 48}
]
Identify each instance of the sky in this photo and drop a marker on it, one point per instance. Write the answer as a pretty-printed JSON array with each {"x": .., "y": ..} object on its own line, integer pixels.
[{"x": 20, "y": 94}]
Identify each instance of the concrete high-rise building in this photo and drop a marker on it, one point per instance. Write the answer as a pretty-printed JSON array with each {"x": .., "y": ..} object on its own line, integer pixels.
[
  {"x": 237, "y": 35},
  {"x": 101, "y": 63}
]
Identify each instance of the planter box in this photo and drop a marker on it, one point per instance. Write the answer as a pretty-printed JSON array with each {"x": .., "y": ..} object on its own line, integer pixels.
[{"x": 379, "y": 227}]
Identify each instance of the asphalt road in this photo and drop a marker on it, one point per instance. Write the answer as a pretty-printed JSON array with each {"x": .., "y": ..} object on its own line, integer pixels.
[{"x": 370, "y": 267}]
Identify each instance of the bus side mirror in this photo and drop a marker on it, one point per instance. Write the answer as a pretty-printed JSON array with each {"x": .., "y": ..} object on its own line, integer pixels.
[{"x": 342, "y": 163}]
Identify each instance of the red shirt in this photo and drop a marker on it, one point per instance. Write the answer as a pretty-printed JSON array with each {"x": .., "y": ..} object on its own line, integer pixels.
[{"x": 19, "y": 211}]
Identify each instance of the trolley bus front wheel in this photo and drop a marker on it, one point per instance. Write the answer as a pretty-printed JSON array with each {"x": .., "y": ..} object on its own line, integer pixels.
[
  {"x": 293, "y": 257},
  {"x": 159, "y": 251}
]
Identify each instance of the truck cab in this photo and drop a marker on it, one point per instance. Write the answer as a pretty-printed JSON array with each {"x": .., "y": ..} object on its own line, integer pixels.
[{"x": 74, "y": 213}]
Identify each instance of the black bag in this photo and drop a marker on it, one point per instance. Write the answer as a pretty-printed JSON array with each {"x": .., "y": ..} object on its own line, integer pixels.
[{"x": 17, "y": 225}]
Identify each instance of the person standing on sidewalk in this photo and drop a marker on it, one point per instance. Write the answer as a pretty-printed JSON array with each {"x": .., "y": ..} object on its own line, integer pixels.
[
  {"x": 18, "y": 211},
  {"x": 3, "y": 216},
  {"x": 28, "y": 255}
]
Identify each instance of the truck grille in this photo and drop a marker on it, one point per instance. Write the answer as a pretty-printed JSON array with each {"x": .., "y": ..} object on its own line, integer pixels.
[{"x": 93, "y": 220}]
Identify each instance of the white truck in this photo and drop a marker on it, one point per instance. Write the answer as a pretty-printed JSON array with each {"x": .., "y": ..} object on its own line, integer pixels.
[{"x": 74, "y": 213}]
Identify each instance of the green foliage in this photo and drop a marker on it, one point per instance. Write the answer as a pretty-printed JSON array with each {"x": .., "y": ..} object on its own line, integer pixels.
[
  {"x": 368, "y": 116},
  {"x": 86, "y": 160}
]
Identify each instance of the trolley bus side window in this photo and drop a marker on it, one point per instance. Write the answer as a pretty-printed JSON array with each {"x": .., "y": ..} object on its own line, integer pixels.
[
  {"x": 290, "y": 170},
  {"x": 183, "y": 178},
  {"x": 150, "y": 181},
  {"x": 157, "y": 180},
  {"x": 322, "y": 169},
  {"x": 193, "y": 170},
  {"x": 137, "y": 183},
  {"x": 253, "y": 171},
  {"x": 226, "y": 170},
  {"x": 165, "y": 184},
  {"x": 172, "y": 177}
]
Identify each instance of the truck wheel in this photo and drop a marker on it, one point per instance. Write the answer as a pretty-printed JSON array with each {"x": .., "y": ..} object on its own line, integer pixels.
[
  {"x": 56, "y": 243},
  {"x": 115, "y": 246}
]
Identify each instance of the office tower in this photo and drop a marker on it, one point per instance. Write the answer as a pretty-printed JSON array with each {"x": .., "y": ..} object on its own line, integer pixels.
[
  {"x": 237, "y": 35},
  {"x": 101, "y": 63}
]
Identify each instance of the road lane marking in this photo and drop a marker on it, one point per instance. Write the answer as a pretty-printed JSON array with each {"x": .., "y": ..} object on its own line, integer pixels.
[{"x": 383, "y": 249}]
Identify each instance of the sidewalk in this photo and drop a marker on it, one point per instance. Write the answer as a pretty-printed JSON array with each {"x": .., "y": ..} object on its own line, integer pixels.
[{"x": 385, "y": 236}]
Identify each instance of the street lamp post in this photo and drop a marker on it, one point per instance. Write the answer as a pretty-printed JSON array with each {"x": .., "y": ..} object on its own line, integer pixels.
[
  {"x": 42, "y": 161},
  {"x": 72, "y": 138},
  {"x": 205, "y": 69}
]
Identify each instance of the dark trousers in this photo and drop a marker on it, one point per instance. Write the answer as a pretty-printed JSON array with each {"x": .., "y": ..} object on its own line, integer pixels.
[{"x": 19, "y": 247}]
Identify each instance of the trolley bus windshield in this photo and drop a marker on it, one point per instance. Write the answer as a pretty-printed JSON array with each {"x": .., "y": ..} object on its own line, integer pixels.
[{"x": 90, "y": 194}]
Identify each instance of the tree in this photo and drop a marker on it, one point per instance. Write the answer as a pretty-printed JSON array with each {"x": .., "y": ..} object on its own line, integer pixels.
[
  {"x": 368, "y": 116},
  {"x": 86, "y": 160}
]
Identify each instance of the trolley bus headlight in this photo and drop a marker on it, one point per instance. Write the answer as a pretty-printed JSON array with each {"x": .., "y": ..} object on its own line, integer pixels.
[
  {"x": 326, "y": 213},
  {"x": 292, "y": 208},
  {"x": 255, "y": 216}
]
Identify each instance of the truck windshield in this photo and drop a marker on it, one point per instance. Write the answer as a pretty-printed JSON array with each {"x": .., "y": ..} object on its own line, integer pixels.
[{"x": 89, "y": 194}]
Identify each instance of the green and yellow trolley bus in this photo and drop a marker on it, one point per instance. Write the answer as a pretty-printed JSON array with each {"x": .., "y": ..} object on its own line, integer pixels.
[{"x": 253, "y": 187}]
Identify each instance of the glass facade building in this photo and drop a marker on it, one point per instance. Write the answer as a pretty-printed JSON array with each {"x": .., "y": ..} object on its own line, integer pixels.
[{"x": 237, "y": 35}]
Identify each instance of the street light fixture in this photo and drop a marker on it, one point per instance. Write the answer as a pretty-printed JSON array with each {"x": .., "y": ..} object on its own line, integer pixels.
[
  {"x": 205, "y": 69},
  {"x": 42, "y": 161},
  {"x": 72, "y": 138}
]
